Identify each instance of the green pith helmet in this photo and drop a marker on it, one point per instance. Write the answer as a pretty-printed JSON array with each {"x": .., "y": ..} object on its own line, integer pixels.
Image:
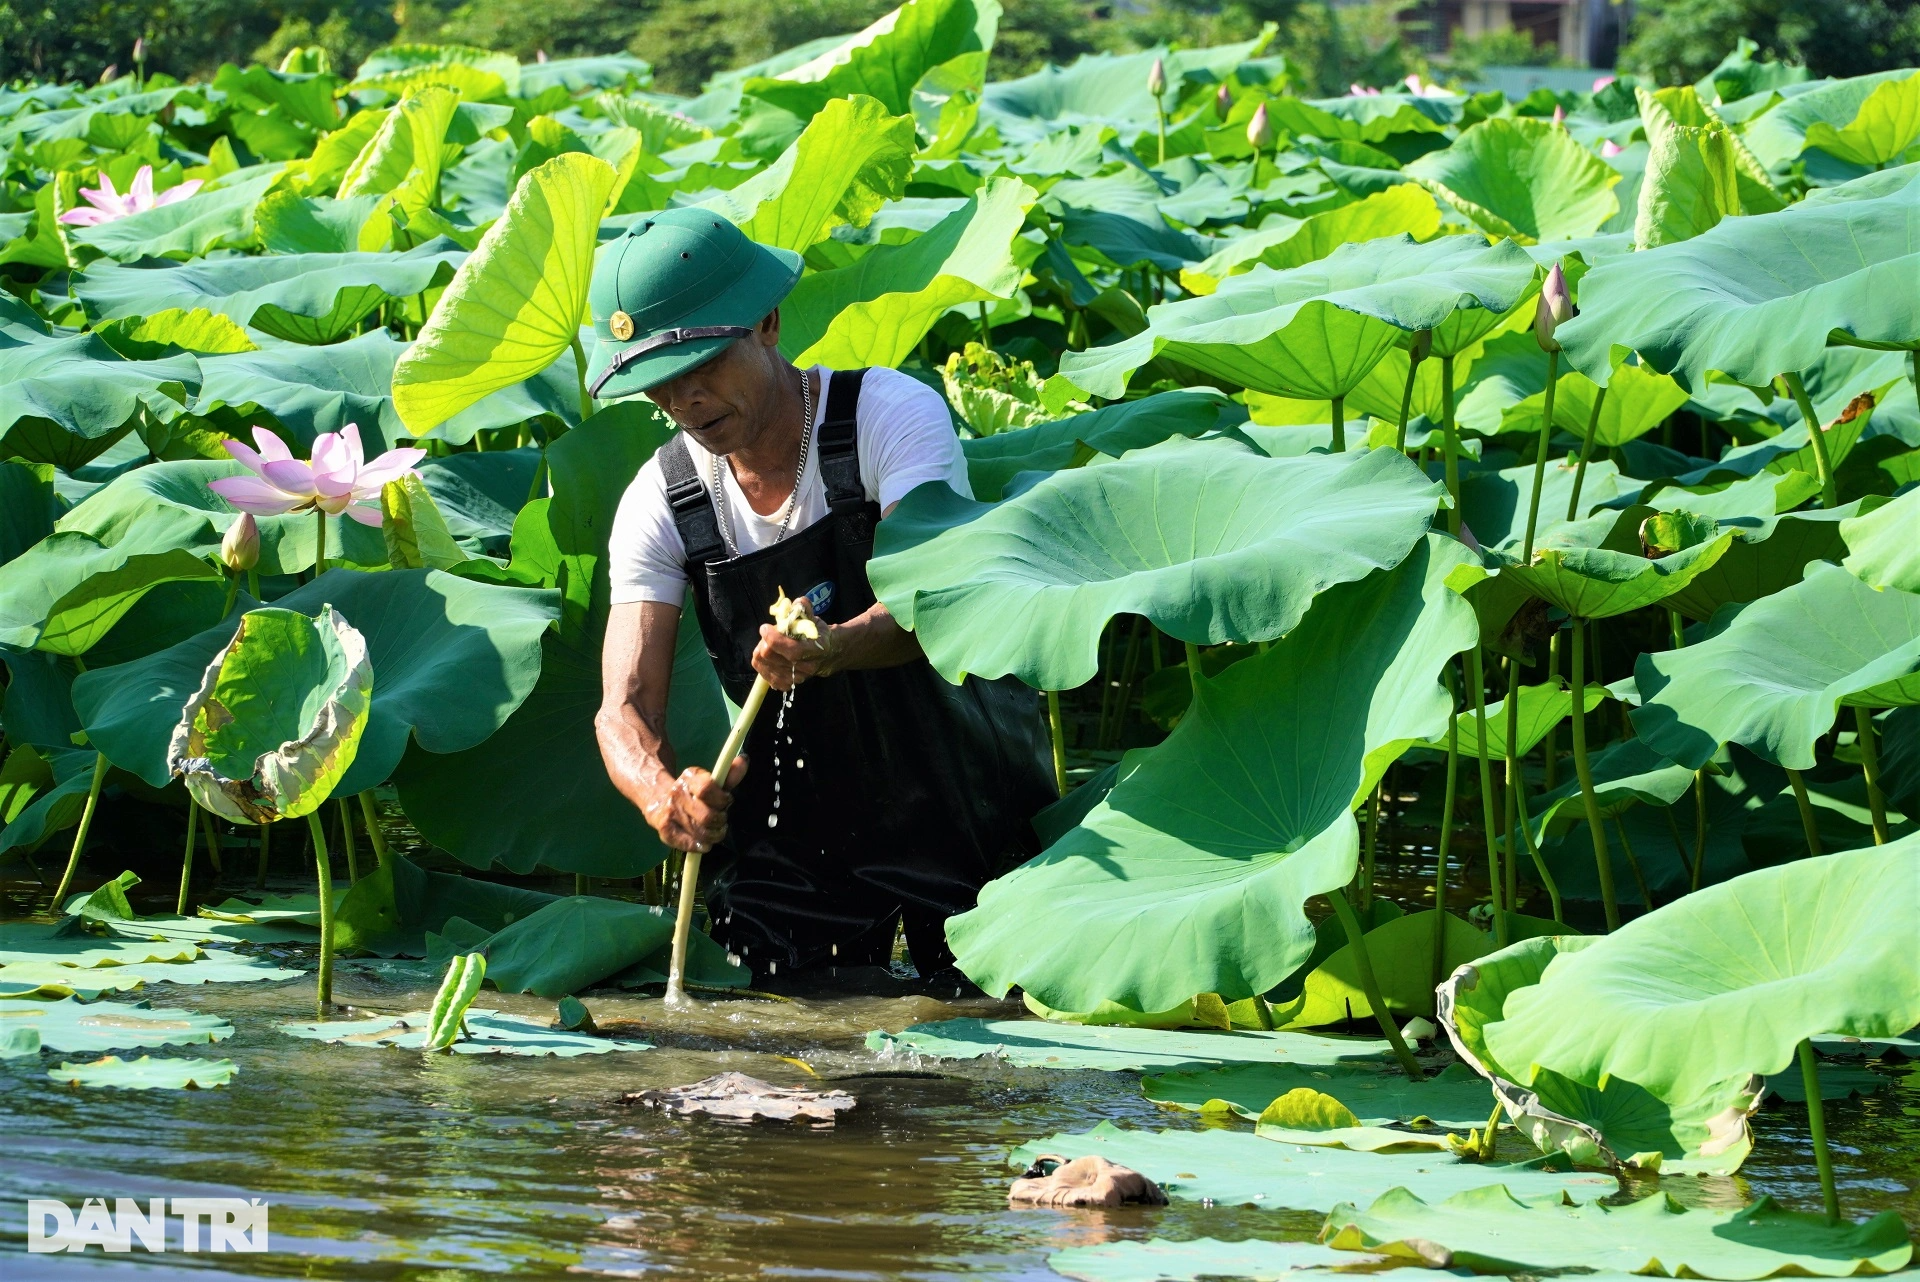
[{"x": 673, "y": 292}]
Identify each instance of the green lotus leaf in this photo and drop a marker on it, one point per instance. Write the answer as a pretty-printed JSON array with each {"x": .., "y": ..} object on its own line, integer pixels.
[
  {"x": 308, "y": 98},
  {"x": 70, "y": 1026},
  {"x": 147, "y": 1073},
  {"x": 303, "y": 298},
  {"x": 1294, "y": 242},
  {"x": 1791, "y": 450},
  {"x": 1594, "y": 1127},
  {"x": 454, "y": 660},
  {"x": 1161, "y": 1260},
  {"x": 1725, "y": 983},
  {"x": 1880, "y": 133},
  {"x": 1030, "y": 1043},
  {"x": 69, "y": 589},
  {"x": 1315, "y": 331},
  {"x": 994, "y": 461},
  {"x": 277, "y": 718},
  {"x": 1775, "y": 673},
  {"x": 572, "y": 944},
  {"x": 1234, "y": 1168},
  {"x": 853, "y": 157},
  {"x": 403, "y": 157},
  {"x": 66, "y": 944},
  {"x": 218, "y": 216},
  {"x": 55, "y": 807},
  {"x": 1304, "y": 1116},
  {"x": 1101, "y": 91},
  {"x": 1156, "y": 882},
  {"x": 1757, "y": 297},
  {"x": 38, "y": 706},
  {"x": 1522, "y": 177},
  {"x": 1691, "y": 180},
  {"x": 1403, "y": 954},
  {"x": 1542, "y": 707},
  {"x": 480, "y": 494},
  {"x": 1768, "y": 554},
  {"x": 886, "y": 59},
  {"x": 1881, "y": 548},
  {"x": 489, "y": 1032},
  {"x": 1492, "y": 1230},
  {"x": 214, "y": 966},
  {"x": 1625, "y": 773},
  {"x": 410, "y": 56},
  {"x": 65, "y": 398},
  {"x": 1234, "y": 549},
  {"x": 517, "y": 302},
  {"x": 28, "y": 507},
  {"x": 1454, "y": 1098},
  {"x": 1637, "y": 401},
  {"x": 876, "y": 311},
  {"x": 1594, "y": 582},
  {"x": 578, "y": 75},
  {"x": 292, "y": 224}
]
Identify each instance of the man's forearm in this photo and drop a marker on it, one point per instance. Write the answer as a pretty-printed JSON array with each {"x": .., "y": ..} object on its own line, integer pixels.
[
  {"x": 639, "y": 759},
  {"x": 874, "y": 639}
]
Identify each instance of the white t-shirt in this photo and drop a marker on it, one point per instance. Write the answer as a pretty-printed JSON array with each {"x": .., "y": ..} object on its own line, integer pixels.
[{"x": 906, "y": 439}]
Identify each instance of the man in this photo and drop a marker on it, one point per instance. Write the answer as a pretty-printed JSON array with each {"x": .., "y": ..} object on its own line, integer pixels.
[{"x": 873, "y": 792}]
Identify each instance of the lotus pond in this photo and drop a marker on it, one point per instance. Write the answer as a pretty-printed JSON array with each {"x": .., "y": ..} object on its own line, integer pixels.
[{"x": 1469, "y": 549}]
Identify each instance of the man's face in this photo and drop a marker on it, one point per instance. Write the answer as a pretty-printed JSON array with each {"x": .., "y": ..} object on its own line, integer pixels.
[{"x": 727, "y": 403}]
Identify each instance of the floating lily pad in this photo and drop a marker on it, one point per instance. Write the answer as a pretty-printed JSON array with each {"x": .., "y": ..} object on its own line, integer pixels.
[
  {"x": 175, "y": 929},
  {"x": 489, "y": 1032},
  {"x": 147, "y": 1073},
  {"x": 1041, "y": 1044},
  {"x": 1455, "y": 1098},
  {"x": 1161, "y": 1260},
  {"x": 1491, "y": 1230},
  {"x": 60, "y": 979},
  {"x": 1304, "y": 1116},
  {"x": 68, "y": 1025},
  {"x": 62, "y": 942},
  {"x": 1234, "y": 1168}
]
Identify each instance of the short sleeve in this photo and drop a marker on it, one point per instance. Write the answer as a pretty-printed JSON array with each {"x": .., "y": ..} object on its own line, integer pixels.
[
  {"x": 906, "y": 438},
  {"x": 646, "y": 560}
]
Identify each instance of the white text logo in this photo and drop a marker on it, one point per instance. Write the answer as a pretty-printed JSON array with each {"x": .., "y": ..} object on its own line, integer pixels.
[{"x": 232, "y": 1224}]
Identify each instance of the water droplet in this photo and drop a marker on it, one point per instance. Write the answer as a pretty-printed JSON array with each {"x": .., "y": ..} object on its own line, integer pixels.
[
  {"x": 773, "y": 968},
  {"x": 836, "y": 950},
  {"x": 773, "y": 821},
  {"x": 800, "y": 763}
]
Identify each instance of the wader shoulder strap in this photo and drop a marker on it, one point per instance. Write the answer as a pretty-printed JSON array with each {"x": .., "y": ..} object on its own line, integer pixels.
[
  {"x": 692, "y": 506},
  {"x": 839, "y": 440}
]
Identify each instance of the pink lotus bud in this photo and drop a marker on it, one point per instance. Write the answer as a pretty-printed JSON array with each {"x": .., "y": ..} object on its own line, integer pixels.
[
  {"x": 1157, "y": 78},
  {"x": 112, "y": 72},
  {"x": 1421, "y": 345},
  {"x": 1602, "y": 83},
  {"x": 539, "y": 55},
  {"x": 1555, "y": 308},
  {"x": 1260, "y": 129},
  {"x": 1560, "y": 115},
  {"x": 1223, "y": 102},
  {"x": 140, "y": 50},
  {"x": 1609, "y": 148},
  {"x": 240, "y": 550}
]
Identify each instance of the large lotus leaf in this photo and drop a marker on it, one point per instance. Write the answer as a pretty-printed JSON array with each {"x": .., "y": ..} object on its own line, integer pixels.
[
  {"x": 1315, "y": 331},
  {"x": 1594, "y": 1127},
  {"x": 1522, "y": 177},
  {"x": 1489, "y": 1229},
  {"x": 994, "y": 461},
  {"x": 1726, "y": 982},
  {"x": 164, "y": 506},
  {"x": 452, "y": 660},
  {"x": 56, "y": 808},
  {"x": 277, "y": 717},
  {"x": 1625, "y": 773},
  {"x": 1402, "y": 952},
  {"x": 64, "y": 398},
  {"x": 1637, "y": 401},
  {"x": 885, "y": 60},
  {"x": 487, "y": 1032},
  {"x": 308, "y": 98},
  {"x": 577, "y": 75},
  {"x": 1208, "y": 539},
  {"x": 1691, "y": 180},
  {"x": 28, "y": 507},
  {"x": 291, "y": 224},
  {"x": 516, "y": 304},
  {"x": 1033, "y": 1043},
  {"x": 480, "y": 494},
  {"x": 1757, "y": 297},
  {"x": 67, "y": 944},
  {"x": 1775, "y": 673},
  {"x": 1887, "y": 124},
  {"x": 1293, "y": 242},
  {"x": 71, "y": 1026},
  {"x": 214, "y": 966},
  {"x": 1455, "y": 1098},
  {"x": 1234, "y": 1168},
  {"x": 1768, "y": 554},
  {"x": 218, "y": 216},
  {"x": 876, "y": 311},
  {"x": 572, "y": 944},
  {"x": 303, "y": 298},
  {"x": 69, "y": 590},
  {"x": 391, "y": 910},
  {"x": 1542, "y": 707},
  {"x": 147, "y": 1073},
  {"x": 1881, "y": 547},
  {"x": 1192, "y": 874},
  {"x": 1598, "y": 583},
  {"x": 1101, "y": 90},
  {"x": 404, "y": 155},
  {"x": 1779, "y": 136},
  {"x": 1161, "y": 1260},
  {"x": 852, "y": 158}
]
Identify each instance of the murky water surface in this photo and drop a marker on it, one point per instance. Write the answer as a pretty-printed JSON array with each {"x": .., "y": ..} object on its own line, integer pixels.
[{"x": 387, "y": 1164}]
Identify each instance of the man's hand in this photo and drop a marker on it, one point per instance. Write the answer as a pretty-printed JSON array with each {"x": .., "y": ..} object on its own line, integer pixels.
[
  {"x": 787, "y": 661},
  {"x": 692, "y": 814}
]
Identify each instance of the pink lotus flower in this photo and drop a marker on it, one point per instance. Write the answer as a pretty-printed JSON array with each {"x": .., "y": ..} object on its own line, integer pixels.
[
  {"x": 1609, "y": 148},
  {"x": 1602, "y": 83},
  {"x": 337, "y": 480},
  {"x": 1424, "y": 88},
  {"x": 1559, "y": 115},
  {"x": 109, "y": 204},
  {"x": 1361, "y": 91}
]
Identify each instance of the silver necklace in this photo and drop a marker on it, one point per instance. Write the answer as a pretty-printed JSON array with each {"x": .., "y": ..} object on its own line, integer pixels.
[{"x": 792, "y": 504}]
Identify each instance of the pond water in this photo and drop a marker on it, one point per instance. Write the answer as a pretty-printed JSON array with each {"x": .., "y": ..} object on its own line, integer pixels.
[{"x": 387, "y": 1164}]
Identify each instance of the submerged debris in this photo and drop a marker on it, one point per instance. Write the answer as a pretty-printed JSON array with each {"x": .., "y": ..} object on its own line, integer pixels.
[
  {"x": 1052, "y": 1180},
  {"x": 739, "y": 1096}
]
